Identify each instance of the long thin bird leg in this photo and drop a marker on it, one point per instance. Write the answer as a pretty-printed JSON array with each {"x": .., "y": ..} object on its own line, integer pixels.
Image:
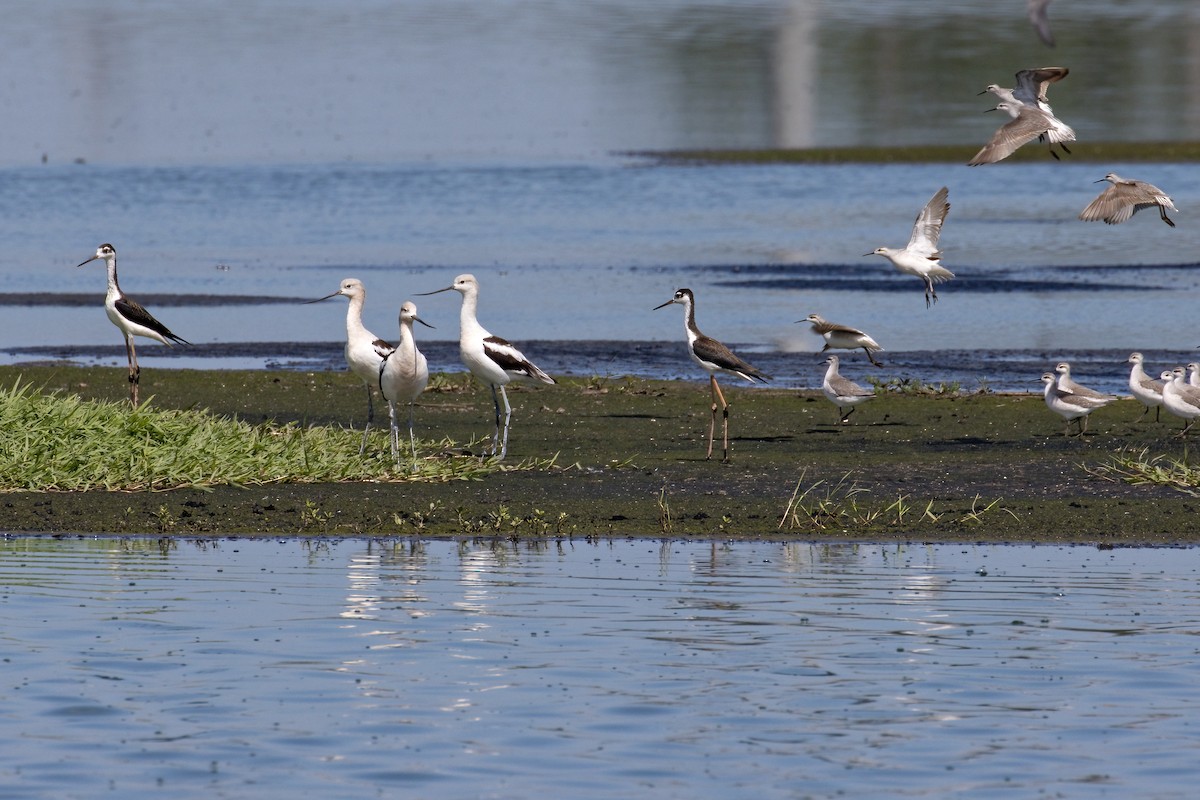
[
  {"x": 871, "y": 358},
  {"x": 724, "y": 419},
  {"x": 362, "y": 448},
  {"x": 507, "y": 419},
  {"x": 496, "y": 431},
  {"x": 135, "y": 372},
  {"x": 393, "y": 434},
  {"x": 412, "y": 439},
  {"x": 846, "y": 416},
  {"x": 1163, "y": 213},
  {"x": 712, "y": 426}
]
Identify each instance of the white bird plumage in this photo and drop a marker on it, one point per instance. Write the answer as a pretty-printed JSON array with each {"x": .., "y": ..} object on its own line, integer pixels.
[
  {"x": 1069, "y": 405},
  {"x": 403, "y": 375},
  {"x": 843, "y": 337},
  {"x": 130, "y": 317},
  {"x": 364, "y": 350},
  {"x": 922, "y": 257},
  {"x": 1181, "y": 399},
  {"x": 492, "y": 360},
  {"x": 843, "y": 392},
  {"x": 1145, "y": 389}
]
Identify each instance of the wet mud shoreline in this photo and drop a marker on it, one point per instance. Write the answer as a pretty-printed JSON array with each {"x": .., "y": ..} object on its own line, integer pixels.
[{"x": 629, "y": 461}]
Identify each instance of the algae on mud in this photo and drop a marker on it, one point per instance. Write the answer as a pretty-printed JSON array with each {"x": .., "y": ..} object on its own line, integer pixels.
[{"x": 629, "y": 461}]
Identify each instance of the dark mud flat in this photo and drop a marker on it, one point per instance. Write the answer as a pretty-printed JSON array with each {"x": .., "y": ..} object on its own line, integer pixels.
[{"x": 630, "y": 462}]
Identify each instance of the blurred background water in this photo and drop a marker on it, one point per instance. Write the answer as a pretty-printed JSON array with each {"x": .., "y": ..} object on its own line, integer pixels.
[{"x": 268, "y": 150}]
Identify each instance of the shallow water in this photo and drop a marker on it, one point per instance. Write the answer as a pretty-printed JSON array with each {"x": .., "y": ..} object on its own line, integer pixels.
[
  {"x": 241, "y": 668},
  {"x": 270, "y": 150},
  {"x": 577, "y": 252}
]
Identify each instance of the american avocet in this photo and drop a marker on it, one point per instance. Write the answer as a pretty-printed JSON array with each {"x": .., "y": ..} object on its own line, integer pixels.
[
  {"x": 921, "y": 257},
  {"x": 1065, "y": 383},
  {"x": 1181, "y": 399},
  {"x": 364, "y": 350},
  {"x": 713, "y": 357},
  {"x": 403, "y": 375},
  {"x": 1067, "y": 405},
  {"x": 1039, "y": 17},
  {"x": 1028, "y": 123},
  {"x": 843, "y": 337},
  {"x": 492, "y": 360},
  {"x": 1147, "y": 390},
  {"x": 843, "y": 392},
  {"x": 128, "y": 315},
  {"x": 1125, "y": 198}
]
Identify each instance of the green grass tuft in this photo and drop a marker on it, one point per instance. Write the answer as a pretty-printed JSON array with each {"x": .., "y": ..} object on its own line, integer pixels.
[{"x": 60, "y": 442}]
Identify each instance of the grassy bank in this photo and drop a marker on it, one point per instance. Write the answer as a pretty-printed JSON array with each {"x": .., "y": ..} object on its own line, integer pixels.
[
  {"x": 625, "y": 457},
  {"x": 1083, "y": 152}
]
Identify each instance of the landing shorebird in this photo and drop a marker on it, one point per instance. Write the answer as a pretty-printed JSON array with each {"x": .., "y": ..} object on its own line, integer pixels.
[
  {"x": 921, "y": 257},
  {"x": 1181, "y": 399},
  {"x": 128, "y": 315},
  {"x": 843, "y": 337},
  {"x": 364, "y": 350},
  {"x": 1125, "y": 198},
  {"x": 1028, "y": 123},
  {"x": 1147, "y": 390},
  {"x": 713, "y": 357},
  {"x": 843, "y": 392},
  {"x": 1069, "y": 406},
  {"x": 1040, "y": 19},
  {"x": 403, "y": 375},
  {"x": 492, "y": 360}
]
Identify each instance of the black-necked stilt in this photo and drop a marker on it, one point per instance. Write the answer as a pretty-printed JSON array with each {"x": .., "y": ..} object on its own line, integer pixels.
[
  {"x": 843, "y": 337},
  {"x": 1147, "y": 390},
  {"x": 1181, "y": 399},
  {"x": 713, "y": 357},
  {"x": 128, "y": 315},
  {"x": 1125, "y": 198},
  {"x": 364, "y": 350},
  {"x": 403, "y": 375},
  {"x": 492, "y": 360},
  {"x": 921, "y": 257},
  {"x": 843, "y": 392}
]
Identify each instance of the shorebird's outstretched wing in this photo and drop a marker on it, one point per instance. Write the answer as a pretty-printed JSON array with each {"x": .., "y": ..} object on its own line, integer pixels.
[{"x": 928, "y": 227}]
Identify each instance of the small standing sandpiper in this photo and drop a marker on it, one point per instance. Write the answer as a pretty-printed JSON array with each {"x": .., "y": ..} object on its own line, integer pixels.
[
  {"x": 843, "y": 392},
  {"x": 1147, "y": 390},
  {"x": 1069, "y": 406}
]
